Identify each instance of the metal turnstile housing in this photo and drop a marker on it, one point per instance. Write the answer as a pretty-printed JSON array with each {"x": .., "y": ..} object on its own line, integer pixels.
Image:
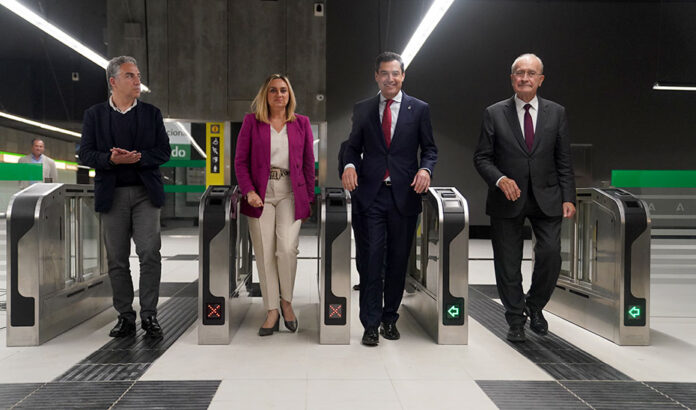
[
  {"x": 334, "y": 269},
  {"x": 222, "y": 281},
  {"x": 438, "y": 288},
  {"x": 57, "y": 275},
  {"x": 604, "y": 285}
]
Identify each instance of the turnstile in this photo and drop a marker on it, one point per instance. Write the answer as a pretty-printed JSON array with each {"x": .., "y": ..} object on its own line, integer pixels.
[
  {"x": 57, "y": 275},
  {"x": 334, "y": 267},
  {"x": 224, "y": 265},
  {"x": 604, "y": 285},
  {"x": 438, "y": 286}
]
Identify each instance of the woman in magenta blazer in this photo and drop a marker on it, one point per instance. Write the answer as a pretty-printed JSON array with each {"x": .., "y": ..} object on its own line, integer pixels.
[{"x": 274, "y": 164}]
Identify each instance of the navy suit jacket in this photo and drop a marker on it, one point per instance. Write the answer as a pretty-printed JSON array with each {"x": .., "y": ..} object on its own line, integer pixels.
[
  {"x": 151, "y": 141},
  {"x": 547, "y": 170},
  {"x": 413, "y": 131}
]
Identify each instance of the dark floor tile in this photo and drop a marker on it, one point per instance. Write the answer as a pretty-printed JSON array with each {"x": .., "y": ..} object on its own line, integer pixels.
[
  {"x": 75, "y": 395},
  {"x": 619, "y": 395},
  {"x": 684, "y": 393},
  {"x": 11, "y": 393},
  {"x": 529, "y": 395},
  {"x": 170, "y": 394},
  {"x": 104, "y": 372}
]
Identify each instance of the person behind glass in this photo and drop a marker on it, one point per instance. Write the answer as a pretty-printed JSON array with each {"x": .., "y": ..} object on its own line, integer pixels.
[
  {"x": 37, "y": 156},
  {"x": 274, "y": 163}
]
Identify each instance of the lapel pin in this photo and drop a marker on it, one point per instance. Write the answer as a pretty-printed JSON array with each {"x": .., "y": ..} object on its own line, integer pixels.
[{"x": 409, "y": 107}]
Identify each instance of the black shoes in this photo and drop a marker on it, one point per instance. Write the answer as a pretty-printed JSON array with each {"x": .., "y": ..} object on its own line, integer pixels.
[
  {"x": 389, "y": 331},
  {"x": 516, "y": 334},
  {"x": 267, "y": 331},
  {"x": 537, "y": 323},
  {"x": 290, "y": 325},
  {"x": 124, "y": 327},
  {"x": 151, "y": 327},
  {"x": 370, "y": 337}
]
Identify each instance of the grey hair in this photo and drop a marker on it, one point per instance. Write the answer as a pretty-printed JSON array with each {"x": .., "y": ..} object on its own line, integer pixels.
[
  {"x": 525, "y": 55},
  {"x": 114, "y": 67}
]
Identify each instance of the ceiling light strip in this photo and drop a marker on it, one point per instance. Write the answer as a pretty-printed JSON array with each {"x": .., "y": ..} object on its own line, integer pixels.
[
  {"x": 39, "y": 124},
  {"x": 53, "y": 31},
  {"x": 430, "y": 21},
  {"x": 657, "y": 86}
]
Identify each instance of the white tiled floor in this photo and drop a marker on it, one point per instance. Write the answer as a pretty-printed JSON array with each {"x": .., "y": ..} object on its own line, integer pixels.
[{"x": 292, "y": 371}]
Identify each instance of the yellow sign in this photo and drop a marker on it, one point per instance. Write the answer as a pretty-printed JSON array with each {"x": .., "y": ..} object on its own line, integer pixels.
[{"x": 214, "y": 149}]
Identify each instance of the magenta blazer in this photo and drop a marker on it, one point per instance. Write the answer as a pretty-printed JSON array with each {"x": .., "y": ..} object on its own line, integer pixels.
[{"x": 252, "y": 162}]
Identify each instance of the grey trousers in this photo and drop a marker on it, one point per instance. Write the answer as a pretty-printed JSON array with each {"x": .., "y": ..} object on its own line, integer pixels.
[{"x": 132, "y": 215}]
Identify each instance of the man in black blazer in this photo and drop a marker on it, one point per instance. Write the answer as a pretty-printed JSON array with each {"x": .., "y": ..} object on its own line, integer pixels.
[
  {"x": 523, "y": 154},
  {"x": 124, "y": 140},
  {"x": 384, "y": 175}
]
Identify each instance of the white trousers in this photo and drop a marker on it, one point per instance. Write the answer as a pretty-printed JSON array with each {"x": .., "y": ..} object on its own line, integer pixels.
[{"x": 275, "y": 237}]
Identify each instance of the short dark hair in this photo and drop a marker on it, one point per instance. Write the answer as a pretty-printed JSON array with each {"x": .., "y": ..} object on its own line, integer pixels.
[
  {"x": 386, "y": 57},
  {"x": 37, "y": 139}
]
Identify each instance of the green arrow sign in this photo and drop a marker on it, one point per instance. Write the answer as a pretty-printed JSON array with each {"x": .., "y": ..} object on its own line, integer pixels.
[
  {"x": 634, "y": 312},
  {"x": 453, "y": 311}
]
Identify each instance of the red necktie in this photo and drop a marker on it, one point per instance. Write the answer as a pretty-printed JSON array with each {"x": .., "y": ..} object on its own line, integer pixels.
[
  {"x": 528, "y": 127},
  {"x": 386, "y": 128}
]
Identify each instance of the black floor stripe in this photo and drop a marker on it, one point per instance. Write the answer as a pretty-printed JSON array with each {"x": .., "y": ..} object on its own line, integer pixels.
[
  {"x": 169, "y": 395},
  {"x": 185, "y": 394},
  {"x": 128, "y": 358},
  {"x": 92, "y": 395},
  {"x": 620, "y": 395},
  {"x": 13, "y": 393},
  {"x": 684, "y": 393},
  {"x": 559, "y": 358},
  {"x": 532, "y": 395},
  {"x": 508, "y": 394}
]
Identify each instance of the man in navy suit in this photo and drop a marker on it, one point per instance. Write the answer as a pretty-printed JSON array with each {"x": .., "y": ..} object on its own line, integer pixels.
[
  {"x": 524, "y": 156},
  {"x": 124, "y": 140},
  {"x": 385, "y": 178}
]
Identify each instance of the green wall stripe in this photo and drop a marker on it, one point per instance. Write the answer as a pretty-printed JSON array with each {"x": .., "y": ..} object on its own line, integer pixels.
[
  {"x": 21, "y": 172},
  {"x": 184, "y": 188},
  {"x": 189, "y": 163},
  {"x": 653, "y": 178}
]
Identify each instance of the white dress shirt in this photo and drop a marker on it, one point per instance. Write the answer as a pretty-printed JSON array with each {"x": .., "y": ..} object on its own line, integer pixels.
[
  {"x": 111, "y": 103},
  {"x": 394, "y": 108}
]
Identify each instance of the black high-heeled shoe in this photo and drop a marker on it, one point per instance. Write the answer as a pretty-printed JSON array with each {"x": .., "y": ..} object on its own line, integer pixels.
[
  {"x": 292, "y": 325},
  {"x": 267, "y": 331}
]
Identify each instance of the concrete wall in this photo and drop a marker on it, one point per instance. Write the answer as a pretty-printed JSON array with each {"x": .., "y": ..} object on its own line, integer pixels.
[{"x": 205, "y": 59}]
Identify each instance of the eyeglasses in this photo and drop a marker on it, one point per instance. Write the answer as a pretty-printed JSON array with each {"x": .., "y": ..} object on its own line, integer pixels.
[{"x": 522, "y": 73}]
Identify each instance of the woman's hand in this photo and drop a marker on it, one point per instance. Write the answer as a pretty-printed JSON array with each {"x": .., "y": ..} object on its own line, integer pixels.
[
  {"x": 311, "y": 211},
  {"x": 254, "y": 199}
]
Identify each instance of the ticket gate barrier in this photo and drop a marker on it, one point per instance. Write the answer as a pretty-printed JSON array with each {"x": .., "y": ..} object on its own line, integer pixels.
[
  {"x": 57, "y": 276},
  {"x": 224, "y": 265},
  {"x": 334, "y": 266},
  {"x": 438, "y": 286},
  {"x": 604, "y": 284}
]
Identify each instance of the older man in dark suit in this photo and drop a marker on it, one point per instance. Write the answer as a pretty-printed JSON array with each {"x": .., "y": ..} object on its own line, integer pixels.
[
  {"x": 383, "y": 172},
  {"x": 523, "y": 154},
  {"x": 124, "y": 140}
]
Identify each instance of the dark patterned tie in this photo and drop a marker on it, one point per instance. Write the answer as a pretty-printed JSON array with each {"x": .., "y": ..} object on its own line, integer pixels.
[
  {"x": 386, "y": 128},
  {"x": 528, "y": 128}
]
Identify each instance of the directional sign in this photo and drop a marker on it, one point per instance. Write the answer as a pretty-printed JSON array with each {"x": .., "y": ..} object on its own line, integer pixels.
[
  {"x": 453, "y": 311},
  {"x": 634, "y": 312}
]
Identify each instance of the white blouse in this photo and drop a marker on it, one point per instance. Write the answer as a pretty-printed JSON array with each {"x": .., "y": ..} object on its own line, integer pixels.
[{"x": 280, "y": 157}]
